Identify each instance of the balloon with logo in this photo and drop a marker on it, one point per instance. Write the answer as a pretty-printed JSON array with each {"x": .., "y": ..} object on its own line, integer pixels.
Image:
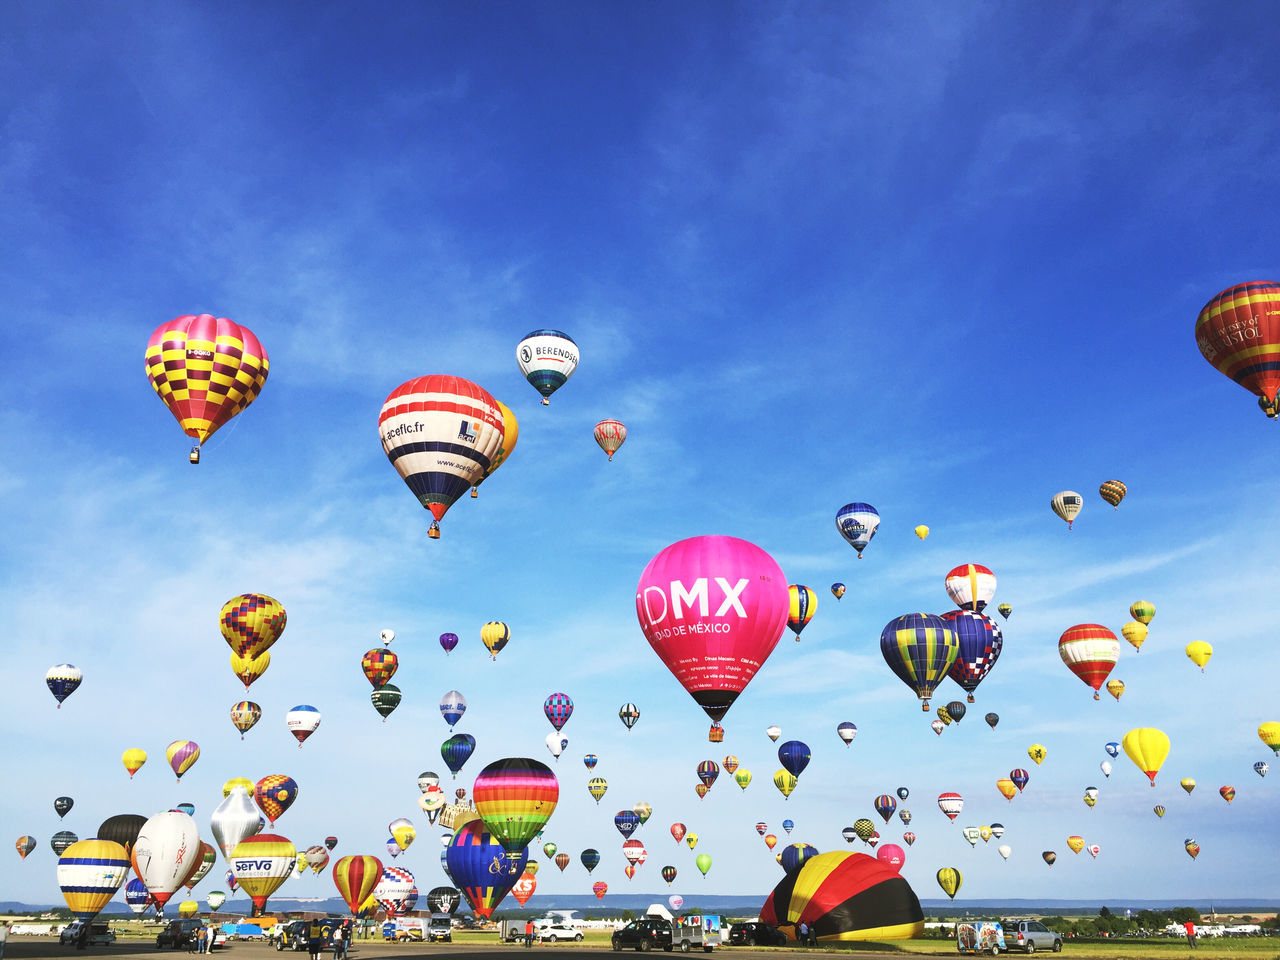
[
  {"x": 457, "y": 750},
  {"x": 1067, "y": 504},
  {"x": 524, "y": 888},
  {"x": 396, "y": 891},
  {"x": 905, "y": 816},
  {"x": 610, "y": 435},
  {"x": 302, "y": 721},
  {"x": 919, "y": 648},
  {"x": 804, "y": 604},
  {"x": 1115, "y": 688},
  {"x": 547, "y": 359},
  {"x": 1090, "y": 651},
  {"x": 317, "y": 858},
  {"x": 205, "y": 369},
  {"x": 1135, "y": 633},
  {"x": 1199, "y": 652},
  {"x": 244, "y": 715},
  {"x": 794, "y": 755},
  {"x": 980, "y": 641},
  {"x": 742, "y": 777},
  {"x": 891, "y": 855},
  {"x": 626, "y": 821},
  {"x": 510, "y": 435},
  {"x": 442, "y": 434},
  {"x": 61, "y": 840},
  {"x": 1261, "y": 768},
  {"x": 89, "y": 874},
  {"x": 402, "y": 832},
  {"x": 25, "y": 845},
  {"x": 628, "y": 713},
  {"x": 164, "y": 854},
  {"x": 785, "y": 781},
  {"x": 597, "y": 786},
  {"x": 1147, "y": 747},
  {"x": 857, "y": 522},
  {"x": 712, "y": 608},
  {"x": 950, "y": 880},
  {"x": 216, "y": 899},
  {"x": 274, "y": 794},
  {"x": 481, "y": 868},
  {"x": 63, "y": 680},
  {"x": 208, "y": 856},
  {"x": 452, "y": 706},
  {"x": 495, "y": 635},
  {"x": 1238, "y": 332},
  {"x": 136, "y": 896},
  {"x": 950, "y": 803},
  {"x": 262, "y": 863}
]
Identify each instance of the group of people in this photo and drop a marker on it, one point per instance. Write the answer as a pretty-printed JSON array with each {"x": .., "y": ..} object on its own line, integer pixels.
[
  {"x": 202, "y": 940},
  {"x": 339, "y": 937}
]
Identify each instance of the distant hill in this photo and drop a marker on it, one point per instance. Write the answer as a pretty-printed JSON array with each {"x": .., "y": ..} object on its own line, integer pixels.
[{"x": 733, "y": 906}]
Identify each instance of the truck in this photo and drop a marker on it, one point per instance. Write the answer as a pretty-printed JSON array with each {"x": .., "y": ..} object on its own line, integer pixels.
[
  {"x": 705, "y": 931},
  {"x": 440, "y": 928}
]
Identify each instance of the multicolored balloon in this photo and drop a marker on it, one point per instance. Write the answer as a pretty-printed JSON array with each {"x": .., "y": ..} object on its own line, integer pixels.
[
  {"x": 181, "y": 754},
  {"x": 63, "y": 680},
  {"x": 385, "y": 699},
  {"x": 244, "y": 715},
  {"x": 1238, "y": 332},
  {"x": 274, "y": 794},
  {"x": 980, "y": 641},
  {"x": 1113, "y": 491},
  {"x": 838, "y": 590},
  {"x": 558, "y": 708},
  {"x": 515, "y": 798},
  {"x": 89, "y": 874},
  {"x": 1090, "y": 651},
  {"x": 804, "y": 604},
  {"x": 1067, "y": 504},
  {"x": 262, "y": 863},
  {"x": 302, "y": 721},
  {"x": 457, "y": 750},
  {"x": 970, "y": 586},
  {"x": 919, "y": 648},
  {"x": 251, "y": 623}
]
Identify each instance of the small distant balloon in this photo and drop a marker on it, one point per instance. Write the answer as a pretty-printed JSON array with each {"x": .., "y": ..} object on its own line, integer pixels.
[
  {"x": 1067, "y": 504},
  {"x": 1113, "y": 492},
  {"x": 837, "y": 590}
]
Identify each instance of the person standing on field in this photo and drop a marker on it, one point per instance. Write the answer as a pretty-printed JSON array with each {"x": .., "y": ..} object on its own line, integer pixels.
[{"x": 1190, "y": 927}]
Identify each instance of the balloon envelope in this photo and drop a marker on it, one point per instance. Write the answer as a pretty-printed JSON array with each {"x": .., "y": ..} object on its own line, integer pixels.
[
  {"x": 262, "y": 863},
  {"x": 89, "y": 874},
  {"x": 163, "y": 852},
  {"x": 845, "y": 896}
]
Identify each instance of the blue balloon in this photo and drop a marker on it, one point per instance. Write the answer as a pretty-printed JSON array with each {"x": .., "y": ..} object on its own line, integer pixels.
[
  {"x": 794, "y": 855},
  {"x": 1113, "y": 749},
  {"x": 590, "y": 760},
  {"x": 626, "y": 821},
  {"x": 188, "y": 808},
  {"x": 788, "y": 825},
  {"x": 794, "y": 756},
  {"x": 452, "y": 706},
  {"x": 590, "y": 858},
  {"x": 857, "y": 523},
  {"x": 135, "y": 895},
  {"x": 480, "y": 868},
  {"x": 457, "y": 750},
  {"x": 980, "y": 644}
]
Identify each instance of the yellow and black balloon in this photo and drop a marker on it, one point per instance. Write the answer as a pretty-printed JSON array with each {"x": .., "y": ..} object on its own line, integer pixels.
[{"x": 845, "y": 896}]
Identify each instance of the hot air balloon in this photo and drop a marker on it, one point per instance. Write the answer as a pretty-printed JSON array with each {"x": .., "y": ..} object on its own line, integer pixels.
[
  {"x": 1115, "y": 688},
  {"x": 742, "y": 777},
  {"x": 524, "y": 887},
  {"x": 393, "y": 848},
  {"x": 233, "y": 820},
  {"x": 396, "y": 891},
  {"x": 950, "y": 879},
  {"x": 355, "y": 877},
  {"x": 1037, "y": 753},
  {"x": 857, "y": 523},
  {"x": 510, "y": 434},
  {"x": 251, "y": 623},
  {"x": 678, "y": 831},
  {"x": 903, "y": 793},
  {"x": 769, "y": 840},
  {"x": 922, "y": 532},
  {"x": 610, "y": 435},
  {"x": 1020, "y": 778},
  {"x": 837, "y": 590},
  {"x": 1261, "y": 768},
  {"x": 971, "y": 834},
  {"x": 136, "y": 896},
  {"x": 379, "y": 665},
  {"x": 302, "y": 721},
  {"x": 558, "y": 709},
  {"x": 1113, "y": 492},
  {"x": 249, "y": 669},
  {"x": 495, "y": 635},
  {"x": 1136, "y": 633},
  {"x": 1090, "y": 651},
  {"x": 774, "y": 732},
  {"x": 909, "y": 838},
  {"x": 448, "y": 641},
  {"x": 1238, "y": 333},
  {"x": 1004, "y": 850},
  {"x": 208, "y": 856},
  {"x": 938, "y": 726},
  {"x": 205, "y": 369},
  {"x": 597, "y": 786},
  {"x": 919, "y": 648},
  {"x": 261, "y": 863},
  {"x": 562, "y": 860},
  {"x": 1112, "y": 748},
  {"x": 1004, "y": 610},
  {"x": 385, "y": 699},
  {"x": 980, "y": 642},
  {"x": 215, "y": 899},
  {"x": 62, "y": 806},
  {"x": 1199, "y": 652},
  {"x": 457, "y": 750},
  {"x": 402, "y": 832},
  {"x": 1187, "y": 784},
  {"x": 590, "y": 761},
  {"x": 89, "y": 874},
  {"x": 274, "y": 795},
  {"x": 61, "y": 840},
  {"x": 1192, "y": 848},
  {"x": 547, "y": 359},
  {"x": 804, "y": 604},
  {"x": 864, "y": 829},
  {"x": 556, "y": 743},
  {"x": 1049, "y": 857},
  {"x": 956, "y": 710},
  {"x": 1269, "y": 733},
  {"x": 317, "y": 858},
  {"x": 181, "y": 754},
  {"x": 951, "y": 804},
  {"x": 244, "y": 715},
  {"x": 628, "y": 713},
  {"x": 163, "y": 854},
  {"x": 626, "y": 821},
  {"x": 63, "y": 680},
  {"x": 1075, "y": 843},
  {"x": 992, "y": 719},
  {"x": 1007, "y": 788},
  {"x": 846, "y": 731},
  {"x": 599, "y": 888},
  {"x": 970, "y": 586},
  {"x": 25, "y": 845},
  {"x": 452, "y": 706},
  {"x": 1144, "y": 611},
  {"x": 1147, "y": 747},
  {"x": 905, "y": 816},
  {"x": 1105, "y": 767},
  {"x": 885, "y": 805},
  {"x": 785, "y": 781},
  {"x": 1067, "y": 505},
  {"x": 133, "y": 759},
  {"x": 944, "y": 716},
  {"x": 482, "y": 869},
  {"x": 793, "y": 857},
  {"x": 634, "y": 851},
  {"x": 712, "y": 608},
  {"x": 515, "y": 797},
  {"x": 794, "y": 756},
  {"x": 703, "y": 863},
  {"x": 441, "y": 434},
  {"x": 1228, "y": 793},
  {"x": 642, "y": 810},
  {"x": 590, "y": 858}
]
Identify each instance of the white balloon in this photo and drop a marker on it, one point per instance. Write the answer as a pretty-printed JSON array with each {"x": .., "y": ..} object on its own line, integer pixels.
[
  {"x": 556, "y": 743},
  {"x": 163, "y": 852},
  {"x": 1004, "y": 850}
]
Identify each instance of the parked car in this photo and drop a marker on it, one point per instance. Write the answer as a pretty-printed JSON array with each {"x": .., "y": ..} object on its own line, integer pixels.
[
  {"x": 643, "y": 934},
  {"x": 179, "y": 933},
  {"x": 558, "y": 931},
  {"x": 99, "y": 933},
  {"x": 1030, "y": 936},
  {"x": 756, "y": 934},
  {"x": 290, "y": 936},
  {"x": 440, "y": 928}
]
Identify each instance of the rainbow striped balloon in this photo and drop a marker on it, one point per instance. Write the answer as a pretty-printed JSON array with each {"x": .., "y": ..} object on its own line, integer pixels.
[{"x": 515, "y": 798}]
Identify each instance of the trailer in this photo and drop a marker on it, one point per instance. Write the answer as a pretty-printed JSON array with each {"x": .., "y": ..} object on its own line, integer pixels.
[{"x": 705, "y": 931}]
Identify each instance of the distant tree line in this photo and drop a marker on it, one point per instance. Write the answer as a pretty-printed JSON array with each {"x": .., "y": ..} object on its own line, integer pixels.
[{"x": 1142, "y": 923}]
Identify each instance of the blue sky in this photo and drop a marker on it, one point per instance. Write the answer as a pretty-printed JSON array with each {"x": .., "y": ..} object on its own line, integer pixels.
[{"x": 942, "y": 258}]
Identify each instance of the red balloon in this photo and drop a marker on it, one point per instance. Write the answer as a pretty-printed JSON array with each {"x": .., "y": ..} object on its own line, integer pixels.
[
  {"x": 524, "y": 888},
  {"x": 599, "y": 888},
  {"x": 713, "y": 608},
  {"x": 1238, "y": 331}
]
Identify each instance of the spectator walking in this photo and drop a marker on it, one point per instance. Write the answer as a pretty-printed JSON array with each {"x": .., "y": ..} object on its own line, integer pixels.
[
  {"x": 315, "y": 939},
  {"x": 1190, "y": 927}
]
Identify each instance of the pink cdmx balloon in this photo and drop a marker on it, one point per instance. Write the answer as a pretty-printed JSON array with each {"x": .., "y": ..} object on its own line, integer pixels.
[
  {"x": 713, "y": 608},
  {"x": 891, "y": 855}
]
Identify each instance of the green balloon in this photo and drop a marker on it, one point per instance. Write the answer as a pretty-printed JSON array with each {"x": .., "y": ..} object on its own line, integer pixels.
[{"x": 704, "y": 862}]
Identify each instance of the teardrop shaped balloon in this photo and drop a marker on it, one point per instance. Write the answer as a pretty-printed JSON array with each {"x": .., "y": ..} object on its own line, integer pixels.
[
  {"x": 1090, "y": 651},
  {"x": 441, "y": 434},
  {"x": 742, "y": 777},
  {"x": 1115, "y": 688},
  {"x": 1037, "y": 753},
  {"x": 626, "y": 822},
  {"x": 1187, "y": 783},
  {"x": 712, "y": 608},
  {"x": 379, "y": 665},
  {"x": 457, "y": 750},
  {"x": 1049, "y": 857},
  {"x": 133, "y": 759},
  {"x": 857, "y": 522},
  {"x": 547, "y": 358},
  {"x": 1135, "y": 633},
  {"x": 950, "y": 803},
  {"x": 556, "y": 743},
  {"x": 1158, "y": 809},
  {"x": 773, "y": 733},
  {"x": 597, "y": 786},
  {"x": 628, "y": 713},
  {"x": 992, "y": 719},
  {"x": 1192, "y": 848},
  {"x": 950, "y": 880},
  {"x": 970, "y": 586},
  {"x": 938, "y": 726},
  {"x": 205, "y": 369},
  {"x": 251, "y": 623},
  {"x": 846, "y": 731},
  {"x": 1113, "y": 491},
  {"x": 1228, "y": 793},
  {"x": 452, "y": 706},
  {"x": 785, "y": 781},
  {"x": 25, "y": 845},
  {"x": 979, "y": 641},
  {"x": 610, "y": 435},
  {"x": 1004, "y": 610},
  {"x": 62, "y": 806},
  {"x": 1238, "y": 332},
  {"x": 804, "y": 604},
  {"x": 1144, "y": 611},
  {"x": 510, "y": 434},
  {"x": 838, "y": 590},
  {"x": 244, "y": 715},
  {"x": 274, "y": 794},
  {"x": 1004, "y": 850},
  {"x": 562, "y": 860},
  {"x": 1269, "y": 733},
  {"x": 922, "y": 532},
  {"x": 63, "y": 680},
  {"x": 1113, "y": 749},
  {"x": 495, "y": 635},
  {"x": 558, "y": 708},
  {"x": 355, "y": 877},
  {"x": 919, "y": 648},
  {"x": 590, "y": 858},
  {"x": 1020, "y": 778},
  {"x": 89, "y": 874},
  {"x": 1067, "y": 504},
  {"x": 515, "y": 798},
  {"x": 302, "y": 721},
  {"x": 1261, "y": 768},
  {"x": 181, "y": 754},
  {"x": 448, "y": 641},
  {"x": 1147, "y": 747},
  {"x": 1199, "y": 652},
  {"x": 1076, "y": 844},
  {"x": 885, "y": 805},
  {"x": 163, "y": 854},
  {"x": 1008, "y": 789},
  {"x": 599, "y": 888},
  {"x": 262, "y": 863},
  {"x": 703, "y": 863}
]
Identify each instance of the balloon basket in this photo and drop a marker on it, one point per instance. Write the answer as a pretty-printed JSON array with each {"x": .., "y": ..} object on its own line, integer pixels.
[
  {"x": 194, "y": 455},
  {"x": 434, "y": 532},
  {"x": 546, "y": 401},
  {"x": 475, "y": 492}
]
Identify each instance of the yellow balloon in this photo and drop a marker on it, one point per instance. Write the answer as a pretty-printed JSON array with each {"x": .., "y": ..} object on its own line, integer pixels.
[
  {"x": 1269, "y": 733},
  {"x": 1007, "y": 788},
  {"x": 691, "y": 839},
  {"x": 1037, "y": 753},
  {"x": 249, "y": 669},
  {"x": 1115, "y": 688},
  {"x": 89, "y": 873},
  {"x": 237, "y": 782},
  {"x": 1188, "y": 784},
  {"x": 985, "y": 833},
  {"x": 188, "y": 908},
  {"x": 133, "y": 759},
  {"x": 495, "y": 635},
  {"x": 1135, "y": 632},
  {"x": 510, "y": 433},
  {"x": 1143, "y": 611},
  {"x": 1199, "y": 651},
  {"x": 1089, "y": 802},
  {"x": 949, "y": 879},
  {"x": 922, "y": 531},
  {"x": 785, "y": 781},
  {"x": 1075, "y": 843},
  {"x": 1147, "y": 747},
  {"x": 404, "y": 835}
]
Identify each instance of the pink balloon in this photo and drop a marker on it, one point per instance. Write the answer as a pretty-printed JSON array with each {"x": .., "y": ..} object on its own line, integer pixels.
[
  {"x": 892, "y": 855},
  {"x": 713, "y": 608}
]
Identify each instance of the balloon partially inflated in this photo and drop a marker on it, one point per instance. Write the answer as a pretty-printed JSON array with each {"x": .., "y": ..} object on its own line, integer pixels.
[{"x": 713, "y": 608}]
